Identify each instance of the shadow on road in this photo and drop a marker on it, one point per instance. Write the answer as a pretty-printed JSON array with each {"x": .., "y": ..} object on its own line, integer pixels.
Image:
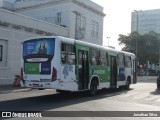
[
  {"x": 156, "y": 92},
  {"x": 53, "y": 101}
]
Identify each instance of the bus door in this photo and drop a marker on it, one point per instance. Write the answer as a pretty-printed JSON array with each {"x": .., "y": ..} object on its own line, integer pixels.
[
  {"x": 83, "y": 69},
  {"x": 113, "y": 71},
  {"x": 134, "y": 71}
]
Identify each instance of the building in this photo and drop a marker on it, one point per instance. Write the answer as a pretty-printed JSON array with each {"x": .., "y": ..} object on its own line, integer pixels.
[
  {"x": 14, "y": 28},
  {"x": 83, "y": 18},
  {"x": 23, "y": 19},
  {"x": 145, "y": 21}
]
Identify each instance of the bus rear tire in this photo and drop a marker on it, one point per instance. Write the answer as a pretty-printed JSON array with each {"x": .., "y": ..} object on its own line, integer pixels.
[
  {"x": 158, "y": 86},
  {"x": 127, "y": 84},
  {"x": 122, "y": 87},
  {"x": 93, "y": 88}
]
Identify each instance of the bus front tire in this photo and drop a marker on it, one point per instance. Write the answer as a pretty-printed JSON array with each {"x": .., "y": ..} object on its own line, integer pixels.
[{"x": 93, "y": 87}]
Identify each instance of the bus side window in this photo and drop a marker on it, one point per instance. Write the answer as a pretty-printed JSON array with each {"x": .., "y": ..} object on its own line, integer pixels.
[
  {"x": 121, "y": 60},
  {"x": 70, "y": 54},
  {"x": 106, "y": 58},
  {"x": 128, "y": 62},
  {"x": 67, "y": 54},
  {"x": 93, "y": 57},
  {"x": 103, "y": 58},
  {"x": 63, "y": 53},
  {"x": 100, "y": 57}
]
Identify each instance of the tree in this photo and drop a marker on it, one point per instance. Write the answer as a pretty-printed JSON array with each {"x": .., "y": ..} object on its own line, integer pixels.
[{"x": 147, "y": 45}]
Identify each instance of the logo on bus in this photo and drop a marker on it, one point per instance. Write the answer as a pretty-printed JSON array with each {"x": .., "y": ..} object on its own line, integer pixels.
[{"x": 98, "y": 71}]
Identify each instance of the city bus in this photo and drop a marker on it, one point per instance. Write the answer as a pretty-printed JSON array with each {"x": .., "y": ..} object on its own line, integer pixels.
[{"x": 66, "y": 64}]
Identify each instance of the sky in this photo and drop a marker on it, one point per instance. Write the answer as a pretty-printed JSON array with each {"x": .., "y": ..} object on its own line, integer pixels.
[{"x": 118, "y": 17}]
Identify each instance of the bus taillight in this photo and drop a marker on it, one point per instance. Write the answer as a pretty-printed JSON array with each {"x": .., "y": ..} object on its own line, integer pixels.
[{"x": 54, "y": 74}]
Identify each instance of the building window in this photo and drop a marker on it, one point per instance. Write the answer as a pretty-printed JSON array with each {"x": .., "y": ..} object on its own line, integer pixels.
[
  {"x": 94, "y": 30},
  {"x": 67, "y": 54},
  {"x": 83, "y": 23},
  {"x": 1, "y": 50},
  {"x": 80, "y": 27},
  {"x": 59, "y": 18}
]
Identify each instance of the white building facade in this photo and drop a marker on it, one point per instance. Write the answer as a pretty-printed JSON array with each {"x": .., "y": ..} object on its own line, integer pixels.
[
  {"x": 23, "y": 19},
  {"x": 83, "y": 18}
]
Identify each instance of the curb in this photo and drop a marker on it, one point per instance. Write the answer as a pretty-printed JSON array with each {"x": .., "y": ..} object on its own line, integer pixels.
[
  {"x": 12, "y": 91},
  {"x": 141, "y": 78}
]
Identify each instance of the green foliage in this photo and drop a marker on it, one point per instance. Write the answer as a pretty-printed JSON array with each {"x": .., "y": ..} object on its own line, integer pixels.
[{"x": 147, "y": 45}]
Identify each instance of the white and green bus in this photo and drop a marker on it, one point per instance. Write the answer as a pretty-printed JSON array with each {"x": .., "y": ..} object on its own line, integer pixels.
[{"x": 66, "y": 64}]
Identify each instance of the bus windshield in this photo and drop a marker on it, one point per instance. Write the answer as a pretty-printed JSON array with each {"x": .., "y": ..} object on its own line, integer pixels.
[{"x": 35, "y": 49}]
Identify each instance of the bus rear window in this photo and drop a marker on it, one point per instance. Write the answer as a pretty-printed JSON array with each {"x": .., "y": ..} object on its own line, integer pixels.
[{"x": 38, "y": 47}]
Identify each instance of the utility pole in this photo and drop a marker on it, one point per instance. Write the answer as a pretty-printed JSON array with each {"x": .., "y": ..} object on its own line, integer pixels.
[
  {"x": 108, "y": 40},
  {"x": 137, "y": 26},
  {"x": 137, "y": 20}
]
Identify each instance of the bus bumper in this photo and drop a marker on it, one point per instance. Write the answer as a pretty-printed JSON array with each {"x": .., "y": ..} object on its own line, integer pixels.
[{"x": 44, "y": 85}]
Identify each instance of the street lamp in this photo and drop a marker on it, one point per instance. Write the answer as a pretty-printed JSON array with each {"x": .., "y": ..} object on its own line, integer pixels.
[
  {"x": 137, "y": 16},
  {"x": 137, "y": 25}
]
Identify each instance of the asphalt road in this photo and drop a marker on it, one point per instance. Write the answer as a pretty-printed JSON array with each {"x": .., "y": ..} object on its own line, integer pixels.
[{"x": 142, "y": 96}]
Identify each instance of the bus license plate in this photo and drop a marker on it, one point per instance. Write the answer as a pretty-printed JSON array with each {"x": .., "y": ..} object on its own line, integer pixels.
[{"x": 35, "y": 85}]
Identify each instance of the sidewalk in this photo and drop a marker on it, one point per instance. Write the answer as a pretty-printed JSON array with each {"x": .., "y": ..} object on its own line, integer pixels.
[
  {"x": 141, "y": 78},
  {"x": 11, "y": 88}
]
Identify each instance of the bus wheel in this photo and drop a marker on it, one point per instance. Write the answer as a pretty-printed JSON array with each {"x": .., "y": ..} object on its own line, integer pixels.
[
  {"x": 158, "y": 85},
  {"x": 93, "y": 87},
  {"x": 127, "y": 85},
  {"x": 122, "y": 87}
]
